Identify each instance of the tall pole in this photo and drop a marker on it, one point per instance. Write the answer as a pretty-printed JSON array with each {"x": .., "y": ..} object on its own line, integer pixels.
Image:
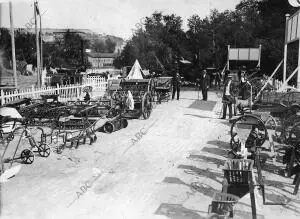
[
  {"x": 285, "y": 47},
  {"x": 298, "y": 75},
  {"x": 1, "y": 14},
  {"x": 228, "y": 48},
  {"x": 41, "y": 38},
  {"x": 13, "y": 45},
  {"x": 37, "y": 47}
]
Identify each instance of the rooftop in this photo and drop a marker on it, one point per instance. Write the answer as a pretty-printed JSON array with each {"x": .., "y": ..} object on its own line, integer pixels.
[{"x": 101, "y": 55}]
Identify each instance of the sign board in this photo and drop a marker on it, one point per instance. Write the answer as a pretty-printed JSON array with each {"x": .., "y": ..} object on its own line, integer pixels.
[
  {"x": 244, "y": 54},
  {"x": 292, "y": 28}
]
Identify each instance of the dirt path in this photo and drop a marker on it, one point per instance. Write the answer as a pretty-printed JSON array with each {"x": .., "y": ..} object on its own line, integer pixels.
[{"x": 165, "y": 167}]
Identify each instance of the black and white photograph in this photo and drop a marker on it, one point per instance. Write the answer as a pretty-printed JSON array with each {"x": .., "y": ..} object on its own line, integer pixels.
[{"x": 149, "y": 109}]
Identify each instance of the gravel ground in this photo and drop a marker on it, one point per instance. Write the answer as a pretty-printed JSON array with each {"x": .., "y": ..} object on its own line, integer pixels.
[{"x": 168, "y": 166}]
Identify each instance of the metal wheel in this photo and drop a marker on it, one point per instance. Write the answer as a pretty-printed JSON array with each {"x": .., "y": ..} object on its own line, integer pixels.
[
  {"x": 146, "y": 106},
  {"x": 235, "y": 143},
  {"x": 125, "y": 123},
  {"x": 235, "y": 90},
  {"x": 108, "y": 127},
  {"x": 249, "y": 129},
  {"x": 287, "y": 126},
  {"x": 27, "y": 156},
  {"x": 10, "y": 137},
  {"x": 248, "y": 90},
  {"x": 44, "y": 150}
]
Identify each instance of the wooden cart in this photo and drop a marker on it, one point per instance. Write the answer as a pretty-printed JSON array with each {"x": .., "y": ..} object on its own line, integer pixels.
[
  {"x": 142, "y": 91},
  {"x": 163, "y": 88}
]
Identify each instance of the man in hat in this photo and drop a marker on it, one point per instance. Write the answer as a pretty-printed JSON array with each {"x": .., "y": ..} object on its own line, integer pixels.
[
  {"x": 205, "y": 84},
  {"x": 176, "y": 82},
  {"x": 227, "y": 98}
]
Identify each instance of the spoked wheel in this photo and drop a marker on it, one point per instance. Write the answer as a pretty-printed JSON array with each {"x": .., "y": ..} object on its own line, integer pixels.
[
  {"x": 292, "y": 153},
  {"x": 235, "y": 90},
  {"x": 124, "y": 123},
  {"x": 108, "y": 127},
  {"x": 146, "y": 105},
  {"x": 288, "y": 123},
  {"x": 44, "y": 150},
  {"x": 235, "y": 143},
  {"x": 247, "y": 87},
  {"x": 27, "y": 156},
  {"x": 10, "y": 137},
  {"x": 248, "y": 129},
  {"x": 272, "y": 127}
]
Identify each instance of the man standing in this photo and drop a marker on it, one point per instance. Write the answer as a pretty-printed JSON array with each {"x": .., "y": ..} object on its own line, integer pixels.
[
  {"x": 176, "y": 84},
  {"x": 204, "y": 85},
  {"x": 227, "y": 98},
  {"x": 243, "y": 83},
  {"x": 218, "y": 79}
]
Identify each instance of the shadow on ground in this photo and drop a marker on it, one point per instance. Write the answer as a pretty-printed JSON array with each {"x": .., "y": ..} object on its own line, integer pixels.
[
  {"x": 213, "y": 160},
  {"x": 195, "y": 187},
  {"x": 220, "y": 144},
  {"x": 177, "y": 211},
  {"x": 216, "y": 151},
  {"x": 202, "y": 172},
  {"x": 203, "y": 105}
]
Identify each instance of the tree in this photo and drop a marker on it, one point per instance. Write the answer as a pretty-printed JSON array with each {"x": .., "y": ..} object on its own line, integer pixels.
[
  {"x": 110, "y": 45},
  {"x": 98, "y": 46}
]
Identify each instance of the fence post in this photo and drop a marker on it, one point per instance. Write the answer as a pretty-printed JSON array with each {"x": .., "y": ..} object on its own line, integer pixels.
[
  {"x": 32, "y": 90},
  {"x": 57, "y": 91},
  {"x": 78, "y": 94},
  {"x": 2, "y": 97}
]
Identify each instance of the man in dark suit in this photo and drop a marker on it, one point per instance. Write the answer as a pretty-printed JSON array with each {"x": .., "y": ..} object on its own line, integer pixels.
[
  {"x": 176, "y": 84},
  {"x": 205, "y": 84},
  {"x": 228, "y": 99}
]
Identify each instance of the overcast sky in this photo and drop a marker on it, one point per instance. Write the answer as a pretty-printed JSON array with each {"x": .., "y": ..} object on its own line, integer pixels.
[{"x": 116, "y": 17}]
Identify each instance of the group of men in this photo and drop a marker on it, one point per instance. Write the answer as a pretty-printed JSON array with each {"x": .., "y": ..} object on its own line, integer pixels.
[{"x": 227, "y": 99}]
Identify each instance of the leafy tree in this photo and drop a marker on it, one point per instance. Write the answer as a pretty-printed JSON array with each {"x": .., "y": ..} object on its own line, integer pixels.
[{"x": 110, "y": 45}]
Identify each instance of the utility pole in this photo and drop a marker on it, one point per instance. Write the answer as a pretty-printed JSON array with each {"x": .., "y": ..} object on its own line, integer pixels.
[
  {"x": 1, "y": 15},
  {"x": 37, "y": 46},
  {"x": 41, "y": 38},
  {"x": 13, "y": 45}
]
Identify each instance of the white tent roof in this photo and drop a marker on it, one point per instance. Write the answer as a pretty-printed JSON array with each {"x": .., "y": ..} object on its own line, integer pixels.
[{"x": 135, "y": 72}]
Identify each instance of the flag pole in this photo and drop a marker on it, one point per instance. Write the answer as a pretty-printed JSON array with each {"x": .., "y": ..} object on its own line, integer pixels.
[
  {"x": 13, "y": 45},
  {"x": 37, "y": 46}
]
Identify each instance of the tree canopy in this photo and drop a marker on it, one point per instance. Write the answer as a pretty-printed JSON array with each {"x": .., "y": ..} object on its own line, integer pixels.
[{"x": 161, "y": 40}]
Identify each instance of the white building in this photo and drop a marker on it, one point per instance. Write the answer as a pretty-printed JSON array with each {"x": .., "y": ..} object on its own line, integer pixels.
[{"x": 101, "y": 60}]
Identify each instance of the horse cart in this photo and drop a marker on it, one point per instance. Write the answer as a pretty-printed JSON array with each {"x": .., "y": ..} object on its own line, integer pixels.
[
  {"x": 142, "y": 91},
  {"x": 163, "y": 88}
]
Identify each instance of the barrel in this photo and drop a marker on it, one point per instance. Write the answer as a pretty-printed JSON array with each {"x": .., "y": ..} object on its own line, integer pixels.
[{"x": 115, "y": 125}]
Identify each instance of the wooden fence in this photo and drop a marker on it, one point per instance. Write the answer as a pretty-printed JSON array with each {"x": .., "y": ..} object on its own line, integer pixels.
[
  {"x": 65, "y": 92},
  {"x": 278, "y": 85},
  {"x": 98, "y": 83}
]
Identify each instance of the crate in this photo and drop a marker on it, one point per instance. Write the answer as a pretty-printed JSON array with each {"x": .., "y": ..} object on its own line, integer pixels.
[
  {"x": 238, "y": 171},
  {"x": 222, "y": 204}
]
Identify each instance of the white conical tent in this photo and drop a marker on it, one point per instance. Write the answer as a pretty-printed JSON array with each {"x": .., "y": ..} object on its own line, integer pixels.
[{"x": 135, "y": 72}]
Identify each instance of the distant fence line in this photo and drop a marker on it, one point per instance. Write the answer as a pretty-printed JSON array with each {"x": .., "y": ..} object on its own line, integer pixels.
[{"x": 65, "y": 92}]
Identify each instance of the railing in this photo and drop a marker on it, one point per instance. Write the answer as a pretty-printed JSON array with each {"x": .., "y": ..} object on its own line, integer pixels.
[
  {"x": 65, "y": 92},
  {"x": 98, "y": 83}
]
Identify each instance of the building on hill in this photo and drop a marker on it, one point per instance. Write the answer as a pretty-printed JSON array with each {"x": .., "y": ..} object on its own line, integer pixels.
[{"x": 101, "y": 60}]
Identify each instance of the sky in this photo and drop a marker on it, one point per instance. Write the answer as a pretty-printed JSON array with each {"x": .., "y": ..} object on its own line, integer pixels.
[{"x": 114, "y": 17}]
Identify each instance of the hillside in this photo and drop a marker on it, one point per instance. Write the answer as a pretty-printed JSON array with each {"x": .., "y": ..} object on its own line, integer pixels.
[{"x": 86, "y": 34}]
